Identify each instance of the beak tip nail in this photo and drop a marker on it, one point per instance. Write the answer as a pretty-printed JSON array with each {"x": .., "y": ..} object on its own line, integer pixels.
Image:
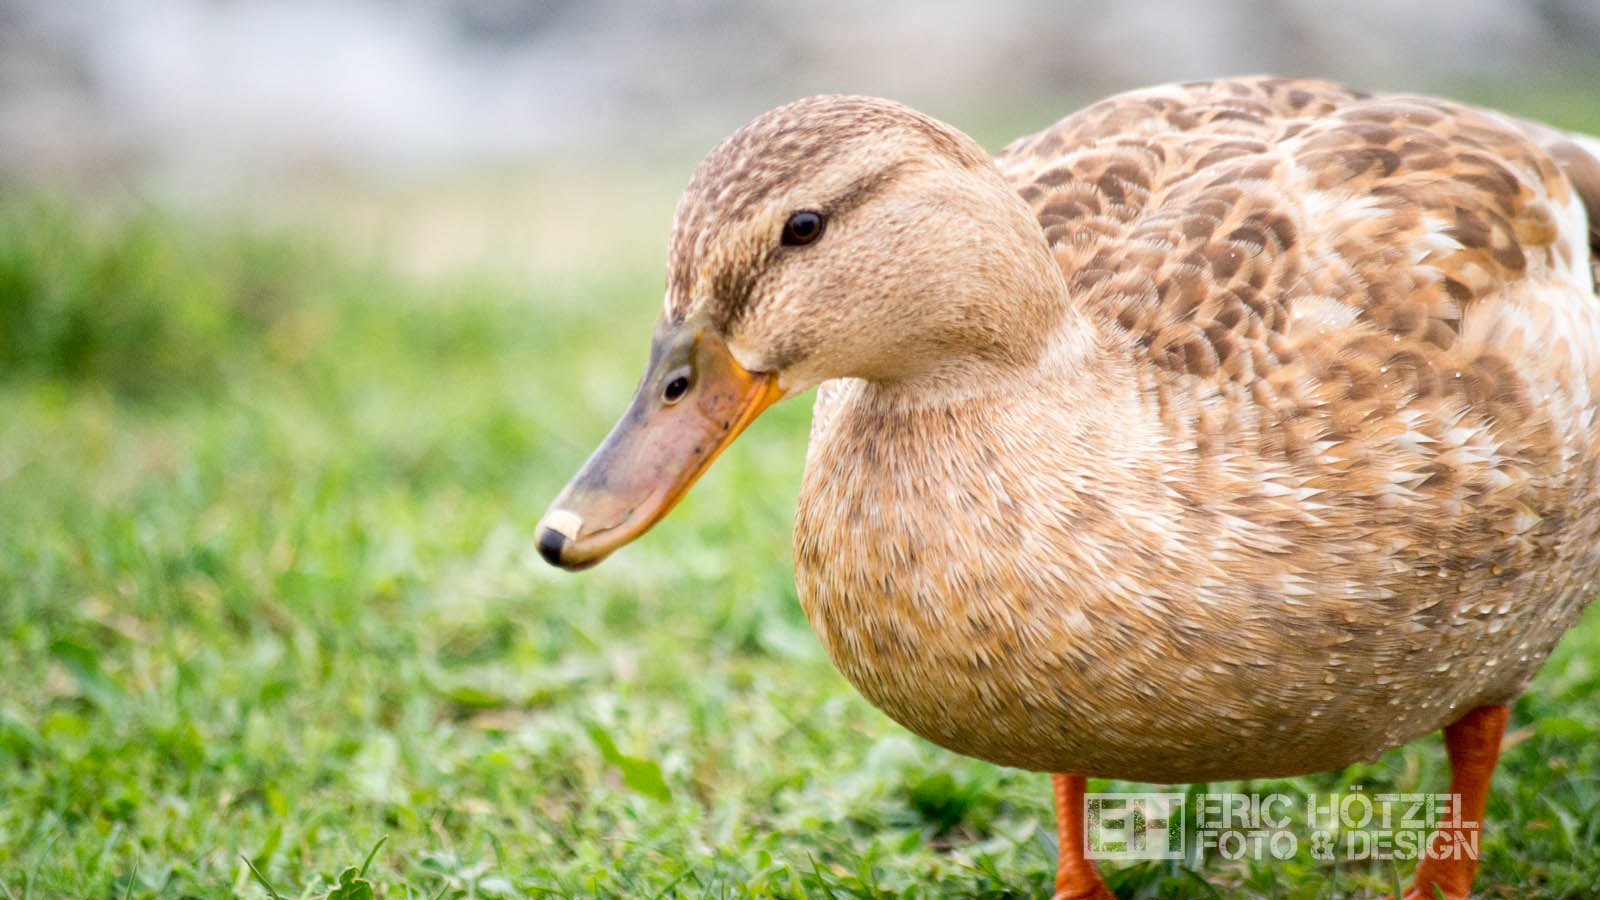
[
  {"x": 551, "y": 543},
  {"x": 559, "y": 528}
]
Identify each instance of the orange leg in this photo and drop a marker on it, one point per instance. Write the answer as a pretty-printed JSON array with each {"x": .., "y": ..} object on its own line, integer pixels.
[
  {"x": 1076, "y": 878},
  {"x": 1474, "y": 746}
]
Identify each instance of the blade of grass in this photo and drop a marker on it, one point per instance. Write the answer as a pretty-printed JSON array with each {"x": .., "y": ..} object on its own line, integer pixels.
[
  {"x": 370, "y": 854},
  {"x": 260, "y": 878}
]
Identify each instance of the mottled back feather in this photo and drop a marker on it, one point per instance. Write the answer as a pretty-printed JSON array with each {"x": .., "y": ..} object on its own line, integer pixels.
[{"x": 1296, "y": 264}]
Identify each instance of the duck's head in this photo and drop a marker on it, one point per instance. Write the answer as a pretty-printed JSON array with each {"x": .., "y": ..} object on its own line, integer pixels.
[{"x": 837, "y": 236}]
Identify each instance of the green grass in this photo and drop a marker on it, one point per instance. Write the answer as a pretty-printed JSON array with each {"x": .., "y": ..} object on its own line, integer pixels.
[{"x": 268, "y": 598}]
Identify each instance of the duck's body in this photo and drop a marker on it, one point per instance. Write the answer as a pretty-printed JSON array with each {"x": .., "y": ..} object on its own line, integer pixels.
[
  {"x": 1310, "y": 467},
  {"x": 1223, "y": 430}
]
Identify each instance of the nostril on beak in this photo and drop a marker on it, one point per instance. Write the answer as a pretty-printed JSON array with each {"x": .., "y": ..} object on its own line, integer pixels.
[{"x": 550, "y": 544}]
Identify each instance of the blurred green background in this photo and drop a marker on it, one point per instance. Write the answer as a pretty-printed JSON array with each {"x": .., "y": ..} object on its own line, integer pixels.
[{"x": 306, "y": 312}]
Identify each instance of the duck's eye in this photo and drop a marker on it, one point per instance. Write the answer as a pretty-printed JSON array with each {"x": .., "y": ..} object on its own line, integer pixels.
[
  {"x": 802, "y": 228},
  {"x": 677, "y": 386}
]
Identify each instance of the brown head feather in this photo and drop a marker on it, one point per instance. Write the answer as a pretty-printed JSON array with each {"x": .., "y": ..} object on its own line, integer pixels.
[{"x": 766, "y": 159}]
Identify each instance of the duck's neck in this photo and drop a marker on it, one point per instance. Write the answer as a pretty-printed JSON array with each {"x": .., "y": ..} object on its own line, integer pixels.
[
  {"x": 1071, "y": 415},
  {"x": 1073, "y": 359}
]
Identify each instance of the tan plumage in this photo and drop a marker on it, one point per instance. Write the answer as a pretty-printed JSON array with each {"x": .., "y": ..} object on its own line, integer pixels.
[
  {"x": 1300, "y": 463},
  {"x": 1220, "y": 430}
]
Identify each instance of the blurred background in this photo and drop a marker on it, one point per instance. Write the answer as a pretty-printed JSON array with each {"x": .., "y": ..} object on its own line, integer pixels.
[
  {"x": 221, "y": 87},
  {"x": 267, "y": 106},
  {"x": 308, "y": 308},
  {"x": 257, "y": 104}
]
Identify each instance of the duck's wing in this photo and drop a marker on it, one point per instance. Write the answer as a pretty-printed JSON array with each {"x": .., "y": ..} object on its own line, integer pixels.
[
  {"x": 1383, "y": 303},
  {"x": 1263, "y": 189}
]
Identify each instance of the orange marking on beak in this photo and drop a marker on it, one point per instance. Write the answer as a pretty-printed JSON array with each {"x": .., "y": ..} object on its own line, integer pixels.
[{"x": 660, "y": 446}]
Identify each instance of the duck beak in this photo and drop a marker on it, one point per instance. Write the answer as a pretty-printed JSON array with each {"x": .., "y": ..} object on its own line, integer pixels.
[{"x": 692, "y": 401}]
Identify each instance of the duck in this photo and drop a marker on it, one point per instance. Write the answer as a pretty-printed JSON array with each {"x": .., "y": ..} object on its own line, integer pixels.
[{"x": 1220, "y": 430}]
